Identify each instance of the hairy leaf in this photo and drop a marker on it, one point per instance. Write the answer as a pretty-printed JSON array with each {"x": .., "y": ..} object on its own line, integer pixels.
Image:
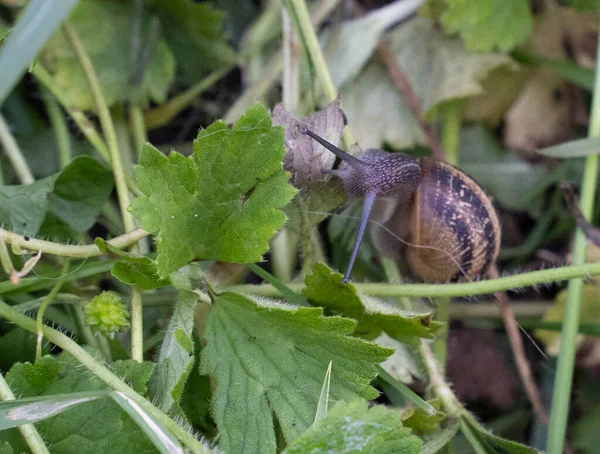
[
  {"x": 355, "y": 428},
  {"x": 98, "y": 426},
  {"x": 138, "y": 271},
  {"x": 485, "y": 25},
  {"x": 265, "y": 356},
  {"x": 324, "y": 287},
  {"x": 109, "y": 47},
  {"x": 223, "y": 202},
  {"x": 176, "y": 356}
]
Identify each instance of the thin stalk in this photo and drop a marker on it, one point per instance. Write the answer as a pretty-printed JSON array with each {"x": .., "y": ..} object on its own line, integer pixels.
[
  {"x": 482, "y": 287},
  {"x": 137, "y": 332},
  {"x": 88, "y": 361},
  {"x": 163, "y": 114},
  {"x": 138, "y": 127},
  {"x": 291, "y": 65},
  {"x": 561, "y": 397},
  {"x": 30, "y": 434},
  {"x": 19, "y": 243},
  {"x": 7, "y": 264},
  {"x": 299, "y": 11},
  {"x": 106, "y": 122},
  {"x": 47, "y": 300},
  {"x": 451, "y": 119},
  {"x": 61, "y": 131},
  {"x": 14, "y": 154},
  {"x": 274, "y": 67}
]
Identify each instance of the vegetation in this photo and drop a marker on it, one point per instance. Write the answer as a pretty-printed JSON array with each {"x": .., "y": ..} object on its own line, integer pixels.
[{"x": 169, "y": 242}]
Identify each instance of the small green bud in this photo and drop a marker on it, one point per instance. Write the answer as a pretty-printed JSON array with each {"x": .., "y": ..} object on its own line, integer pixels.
[{"x": 106, "y": 314}]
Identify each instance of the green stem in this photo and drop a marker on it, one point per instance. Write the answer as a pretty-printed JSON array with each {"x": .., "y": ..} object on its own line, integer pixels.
[
  {"x": 138, "y": 127},
  {"x": 61, "y": 131},
  {"x": 274, "y": 68},
  {"x": 30, "y": 434},
  {"x": 163, "y": 114},
  {"x": 88, "y": 361},
  {"x": 19, "y": 243},
  {"x": 440, "y": 346},
  {"x": 7, "y": 264},
  {"x": 106, "y": 122},
  {"x": 483, "y": 287},
  {"x": 451, "y": 119},
  {"x": 13, "y": 152},
  {"x": 564, "y": 376},
  {"x": 137, "y": 332},
  {"x": 299, "y": 12},
  {"x": 47, "y": 300}
]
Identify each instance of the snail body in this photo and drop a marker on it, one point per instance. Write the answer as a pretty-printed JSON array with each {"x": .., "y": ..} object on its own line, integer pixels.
[{"x": 449, "y": 224}]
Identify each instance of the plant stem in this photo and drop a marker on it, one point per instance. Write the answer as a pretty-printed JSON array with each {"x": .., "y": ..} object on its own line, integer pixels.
[
  {"x": 47, "y": 300},
  {"x": 163, "y": 114},
  {"x": 7, "y": 264},
  {"x": 451, "y": 119},
  {"x": 68, "y": 345},
  {"x": 564, "y": 376},
  {"x": 137, "y": 332},
  {"x": 106, "y": 122},
  {"x": 291, "y": 65},
  {"x": 482, "y": 287},
  {"x": 30, "y": 434},
  {"x": 19, "y": 243},
  {"x": 13, "y": 152},
  {"x": 274, "y": 68},
  {"x": 138, "y": 127},
  {"x": 61, "y": 132}
]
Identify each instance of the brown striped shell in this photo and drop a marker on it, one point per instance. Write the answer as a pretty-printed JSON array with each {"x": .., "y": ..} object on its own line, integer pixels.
[{"x": 451, "y": 226}]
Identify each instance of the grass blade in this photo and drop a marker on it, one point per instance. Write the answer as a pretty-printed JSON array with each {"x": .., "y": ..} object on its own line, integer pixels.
[
  {"x": 324, "y": 397},
  {"x": 573, "y": 149},
  {"x": 162, "y": 438},
  {"x": 37, "y": 23},
  {"x": 408, "y": 393},
  {"x": 14, "y": 413}
]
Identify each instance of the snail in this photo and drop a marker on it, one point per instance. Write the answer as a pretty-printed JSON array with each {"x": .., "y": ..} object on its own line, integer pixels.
[{"x": 452, "y": 229}]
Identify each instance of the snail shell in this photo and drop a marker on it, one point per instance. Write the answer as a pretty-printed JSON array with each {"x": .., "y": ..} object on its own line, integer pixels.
[{"x": 450, "y": 223}]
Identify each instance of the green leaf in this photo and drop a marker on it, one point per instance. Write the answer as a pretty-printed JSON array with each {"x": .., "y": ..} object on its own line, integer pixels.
[
  {"x": 194, "y": 32},
  {"x": 583, "y": 77},
  {"x": 80, "y": 192},
  {"x": 422, "y": 421},
  {"x": 23, "y": 207},
  {"x": 355, "y": 428},
  {"x": 573, "y": 149},
  {"x": 268, "y": 357},
  {"x": 18, "y": 345},
  {"x": 176, "y": 356},
  {"x": 75, "y": 196},
  {"x": 485, "y": 25},
  {"x": 324, "y": 287},
  {"x": 222, "y": 202},
  {"x": 471, "y": 425},
  {"x": 138, "y": 271},
  {"x": 109, "y": 48},
  {"x": 5, "y": 448},
  {"x": 513, "y": 182},
  {"x": 438, "y": 68},
  {"x": 28, "y": 36},
  {"x": 592, "y": 6},
  {"x": 97, "y": 426}
]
